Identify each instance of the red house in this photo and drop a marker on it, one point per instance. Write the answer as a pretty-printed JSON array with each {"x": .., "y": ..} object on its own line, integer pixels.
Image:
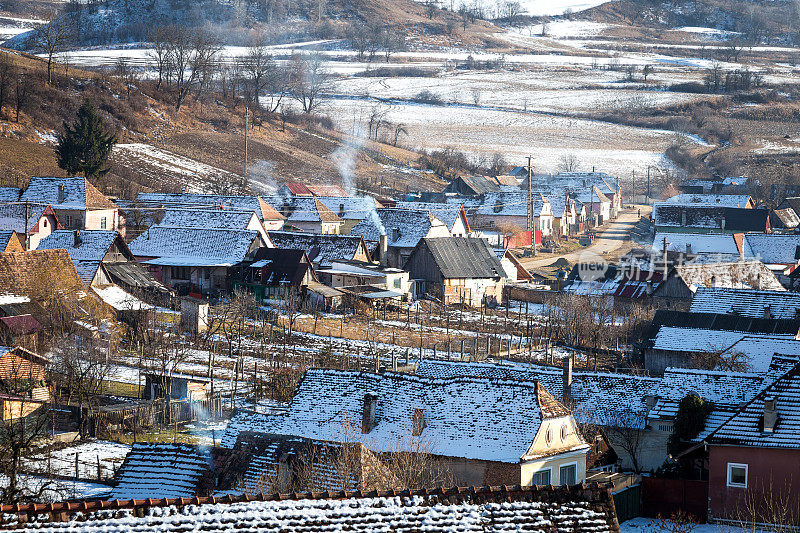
[{"x": 754, "y": 458}]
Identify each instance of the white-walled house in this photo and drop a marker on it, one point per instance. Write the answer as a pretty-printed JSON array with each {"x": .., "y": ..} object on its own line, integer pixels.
[
  {"x": 42, "y": 221},
  {"x": 76, "y": 202}
]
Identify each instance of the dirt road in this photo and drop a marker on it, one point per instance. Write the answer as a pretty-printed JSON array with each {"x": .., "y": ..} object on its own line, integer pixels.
[{"x": 610, "y": 239}]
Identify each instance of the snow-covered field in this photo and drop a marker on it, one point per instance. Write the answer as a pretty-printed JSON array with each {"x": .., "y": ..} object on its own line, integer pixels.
[
  {"x": 11, "y": 26},
  {"x": 109, "y": 455}
]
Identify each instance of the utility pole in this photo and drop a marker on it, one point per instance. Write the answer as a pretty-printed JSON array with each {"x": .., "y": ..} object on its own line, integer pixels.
[
  {"x": 647, "y": 200},
  {"x": 633, "y": 187},
  {"x": 245, "y": 145},
  {"x": 27, "y": 216},
  {"x": 530, "y": 206}
]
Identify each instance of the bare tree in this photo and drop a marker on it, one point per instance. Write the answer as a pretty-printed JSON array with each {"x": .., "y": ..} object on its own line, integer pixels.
[
  {"x": 8, "y": 73},
  {"x": 626, "y": 430},
  {"x": 308, "y": 81},
  {"x": 159, "y": 38},
  {"x": 399, "y": 129},
  {"x": 768, "y": 503},
  {"x": 568, "y": 163},
  {"x": 52, "y": 38},
  {"x": 193, "y": 54},
  {"x": 256, "y": 66}
]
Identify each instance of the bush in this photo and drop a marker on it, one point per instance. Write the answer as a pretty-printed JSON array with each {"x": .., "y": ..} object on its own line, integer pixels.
[
  {"x": 688, "y": 87},
  {"x": 405, "y": 72},
  {"x": 689, "y": 422},
  {"x": 427, "y": 97}
]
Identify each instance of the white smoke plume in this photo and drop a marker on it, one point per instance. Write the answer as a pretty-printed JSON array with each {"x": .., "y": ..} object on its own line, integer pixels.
[{"x": 260, "y": 176}]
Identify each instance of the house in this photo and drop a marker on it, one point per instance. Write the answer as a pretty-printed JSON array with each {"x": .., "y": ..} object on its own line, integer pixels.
[
  {"x": 458, "y": 270},
  {"x": 714, "y": 246},
  {"x": 23, "y": 380},
  {"x": 506, "y": 213},
  {"x": 164, "y": 470},
  {"x": 322, "y": 250},
  {"x": 709, "y": 219},
  {"x": 684, "y": 279},
  {"x": 747, "y": 303},
  {"x": 275, "y": 271},
  {"x": 471, "y": 186},
  {"x": 567, "y": 216},
  {"x": 11, "y": 241},
  {"x": 42, "y": 221},
  {"x": 597, "y": 204},
  {"x": 515, "y": 271},
  {"x": 780, "y": 253},
  {"x": 296, "y": 188},
  {"x": 744, "y": 201},
  {"x": 195, "y": 258},
  {"x": 351, "y": 209},
  {"x": 575, "y": 184},
  {"x": 270, "y": 218},
  {"x": 396, "y": 232},
  {"x": 101, "y": 258},
  {"x": 309, "y": 214},
  {"x": 728, "y": 185},
  {"x": 486, "y": 432},
  {"x": 352, "y": 273},
  {"x": 587, "y": 507},
  {"x": 784, "y": 220},
  {"x": 214, "y": 218},
  {"x": 755, "y": 456},
  {"x": 19, "y": 324},
  {"x": 689, "y": 347},
  {"x": 175, "y": 386},
  {"x": 453, "y": 216},
  {"x": 618, "y": 403},
  {"x": 76, "y": 202}
]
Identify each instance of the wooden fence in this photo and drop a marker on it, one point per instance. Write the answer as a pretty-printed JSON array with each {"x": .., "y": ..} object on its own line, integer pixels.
[{"x": 665, "y": 497}]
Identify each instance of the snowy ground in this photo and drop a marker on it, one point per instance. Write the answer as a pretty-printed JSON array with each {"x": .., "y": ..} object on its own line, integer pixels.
[
  {"x": 57, "y": 490},
  {"x": 62, "y": 462},
  {"x": 648, "y": 525}
]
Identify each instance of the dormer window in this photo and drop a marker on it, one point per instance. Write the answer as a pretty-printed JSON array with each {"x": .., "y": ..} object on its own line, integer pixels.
[{"x": 418, "y": 422}]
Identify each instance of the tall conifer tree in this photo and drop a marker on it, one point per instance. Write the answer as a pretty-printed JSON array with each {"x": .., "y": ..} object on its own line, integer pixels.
[{"x": 84, "y": 146}]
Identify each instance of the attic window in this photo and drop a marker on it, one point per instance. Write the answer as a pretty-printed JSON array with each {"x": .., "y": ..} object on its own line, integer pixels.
[
  {"x": 548, "y": 436},
  {"x": 564, "y": 433},
  {"x": 418, "y": 422}
]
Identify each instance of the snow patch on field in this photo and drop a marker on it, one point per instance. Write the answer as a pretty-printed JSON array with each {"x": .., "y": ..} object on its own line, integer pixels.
[
  {"x": 159, "y": 163},
  {"x": 710, "y": 34},
  {"x": 62, "y": 462},
  {"x": 565, "y": 29}
]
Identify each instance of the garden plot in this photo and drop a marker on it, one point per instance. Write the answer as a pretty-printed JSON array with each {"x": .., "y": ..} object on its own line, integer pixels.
[
  {"x": 165, "y": 166},
  {"x": 58, "y": 490},
  {"x": 611, "y": 148},
  {"x": 109, "y": 456}
]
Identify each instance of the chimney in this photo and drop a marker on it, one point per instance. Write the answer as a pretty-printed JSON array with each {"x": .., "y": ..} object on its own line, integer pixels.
[
  {"x": 384, "y": 250},
  {"x": 688, "y": 248},
  {"x": 395, "y": 234},
  {"x": 758, "y": 282},
  {"x": 770, "y": 414},
  {"x": 566, "y": 377},
  {"x": 649, "y": 287},
  {"x": 77, "y": 238},
  {"x": 341, "y": 210},
  {"x": 61, "y": 194},
  {"x": 767, "y": 312},
  {"x": 722, "y": 222},
  {"x": 368, "y": 413}
]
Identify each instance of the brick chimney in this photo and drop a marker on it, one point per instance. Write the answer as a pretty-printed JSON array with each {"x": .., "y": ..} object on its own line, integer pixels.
[
  {"x": 770, "y": 414},
  {"x": 77, "y": 238},
  {"x": 566, "y": 377},
  {"x": 368, "y": 412},
  {"x": 61, "y": 194}
]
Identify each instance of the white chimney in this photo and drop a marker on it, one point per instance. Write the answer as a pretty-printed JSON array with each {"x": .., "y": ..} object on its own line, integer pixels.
[
  {"x": 770, "y": 414},
  {"x": 566, "y": 377},
  {"x": 383, "y": 250}
]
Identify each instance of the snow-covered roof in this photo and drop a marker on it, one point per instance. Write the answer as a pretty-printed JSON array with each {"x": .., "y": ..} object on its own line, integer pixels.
[
  {"x": 10, "y": 194},
  {"x": 746, "y": 426},
  {"x": 247, "y": 203},
  {"x": 78, "y": 193},
  {"x": 735, "y": 275},
  {"x": 207, "y": 218},
  {"x": 699, "y": 243},
  {"x": 504, "y": 203},
  {"x": 321, "y": 249},
  {"x": 746, "y": 302},
  {"x": 721, "y": 200},
  {"x": 773, "y": 249},
  {"x": 194, "y": 246},
  {"x": 93, "y": 245},
  {"x": 472, "y": 418},
  {"x": 403, "y": 228},
  {"x": 120, "y": 300},
  {"x": 507, "y": 508},
  {"x": 759, "y": 351},
  {"x": 599, "y": 397},
  {"x": 447, "y": 213},
  {"x": 350, "y": 207},
  {"x": 693, "y": 340},
  {"x": 155, "y": 470},
  {"x": 12, "y": 217},
  {"x": 302, "y": 209}
]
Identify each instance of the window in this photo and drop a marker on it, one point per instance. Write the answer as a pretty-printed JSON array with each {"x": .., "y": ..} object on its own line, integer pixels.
[
  {"x": 542, "y": 477},
  {"x": 568, "y": 474},
  {"x": 179, "y": 272},
  {"x": 397, "y": 283},
  {"x": 102, "y": 222},
  {"x": 548, "y": 436},
  {"x": 737, "y": 475},
  {"x": 564, "y": 433},
  {"x": 68, "y": 220},
  {"x": 44, "y": 222}
]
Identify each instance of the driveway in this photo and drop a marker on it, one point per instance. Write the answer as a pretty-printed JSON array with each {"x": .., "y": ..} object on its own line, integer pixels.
[{"x": 610, "y": 239}]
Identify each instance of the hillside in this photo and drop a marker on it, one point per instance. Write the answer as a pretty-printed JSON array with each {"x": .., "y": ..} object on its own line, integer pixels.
[{"x": 201, "y": 147}]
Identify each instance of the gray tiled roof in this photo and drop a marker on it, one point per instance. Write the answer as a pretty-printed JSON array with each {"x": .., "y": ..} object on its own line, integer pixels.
[
  {"x": 408, "y": 226},
  {"x": 464, "y": 257},
  {"x": 194, "y": 246},
  {"x": 207, "y": 218},
  {"x": 154, "y": 470},
  {"x": 321, "y": 249},
  {"x": 772, "y": 248},
  {"x": 745, "y": 302}
]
